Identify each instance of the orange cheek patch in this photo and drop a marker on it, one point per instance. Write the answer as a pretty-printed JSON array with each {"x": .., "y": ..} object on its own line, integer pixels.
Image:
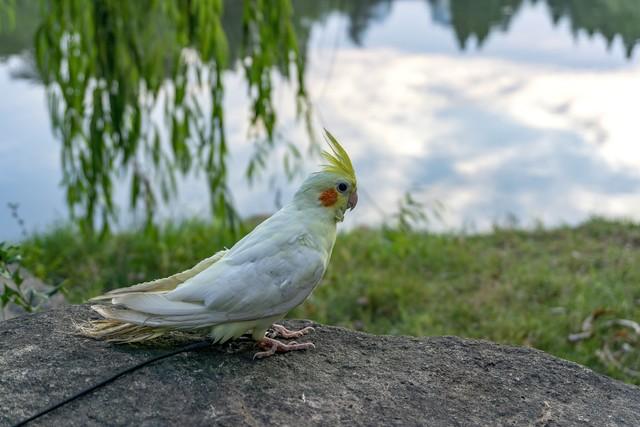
[{"x": 328, "y": 197}]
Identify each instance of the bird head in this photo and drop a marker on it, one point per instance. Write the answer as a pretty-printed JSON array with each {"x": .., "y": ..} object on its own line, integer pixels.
[{"x": 333, "y": 189}]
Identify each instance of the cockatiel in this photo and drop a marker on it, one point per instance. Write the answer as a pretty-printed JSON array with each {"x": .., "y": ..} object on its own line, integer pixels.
[{"x": 250, "y": 286}]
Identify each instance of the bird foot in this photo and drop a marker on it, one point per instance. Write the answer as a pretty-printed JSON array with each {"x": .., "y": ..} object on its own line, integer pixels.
[
  {"x": 271, "y": 347},
  {"x": 281, "y": 331}
]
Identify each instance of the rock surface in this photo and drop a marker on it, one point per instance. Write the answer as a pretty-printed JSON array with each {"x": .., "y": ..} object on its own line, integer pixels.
[{"x": 349, "y": 379}]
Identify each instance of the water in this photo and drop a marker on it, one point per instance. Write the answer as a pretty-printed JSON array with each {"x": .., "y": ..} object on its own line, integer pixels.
[{"x": 496, "y": 114}]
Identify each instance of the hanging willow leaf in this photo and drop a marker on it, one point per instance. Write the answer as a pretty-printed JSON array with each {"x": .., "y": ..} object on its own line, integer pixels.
[{"x": 108, "y": 65}]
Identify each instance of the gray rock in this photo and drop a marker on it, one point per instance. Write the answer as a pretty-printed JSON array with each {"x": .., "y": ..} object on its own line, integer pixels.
[{"x": 351, "y": 378}]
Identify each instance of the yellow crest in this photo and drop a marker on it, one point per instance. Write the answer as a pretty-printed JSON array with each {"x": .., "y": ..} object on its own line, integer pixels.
[{"x": 339, "y": 161}]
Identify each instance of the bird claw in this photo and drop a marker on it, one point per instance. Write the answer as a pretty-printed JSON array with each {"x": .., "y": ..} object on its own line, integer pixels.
[
  {"x": 272, "y": 347},
  {"x": 282, "y": 332}
]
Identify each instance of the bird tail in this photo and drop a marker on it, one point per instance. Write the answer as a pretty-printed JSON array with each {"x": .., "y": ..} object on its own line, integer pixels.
[
  {"x": 165, "y": 284},
  {"x": 124, "y": 325},
  {"x": 142, "y": 312},
  {"x": 117, "y": 331},
  {"x": 141, "y": 317}
]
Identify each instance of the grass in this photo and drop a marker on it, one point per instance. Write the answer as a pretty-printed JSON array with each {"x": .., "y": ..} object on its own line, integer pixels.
[{"x": 511, "y": 286}]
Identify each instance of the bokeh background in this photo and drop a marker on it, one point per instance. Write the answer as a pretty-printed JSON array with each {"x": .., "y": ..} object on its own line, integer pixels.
[
  {"x": 496, "y": 111},
  {"x": 495, "y": 141}
]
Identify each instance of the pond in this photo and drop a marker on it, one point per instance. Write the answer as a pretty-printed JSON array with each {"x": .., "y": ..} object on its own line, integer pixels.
[{"x": 504, "y": 110}]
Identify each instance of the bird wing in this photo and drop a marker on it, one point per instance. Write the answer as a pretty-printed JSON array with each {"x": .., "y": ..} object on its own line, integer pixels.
[
  {"x": 270, "y": 271},
  {"x": 263, "y": 280},
  {"x": 166, "y": 283}
]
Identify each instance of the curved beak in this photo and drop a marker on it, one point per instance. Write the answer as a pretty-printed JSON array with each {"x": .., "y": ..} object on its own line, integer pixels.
[{"x": 353, "y": 200}]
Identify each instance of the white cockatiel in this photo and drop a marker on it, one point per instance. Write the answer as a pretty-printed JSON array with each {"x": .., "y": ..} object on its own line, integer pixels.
[{"x": 250, "y": 286}]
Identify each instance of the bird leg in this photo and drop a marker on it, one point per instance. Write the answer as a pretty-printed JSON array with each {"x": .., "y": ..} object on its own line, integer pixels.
[
  {"x": 271, "y": 347},
  {"x": 281, "y": 331}
]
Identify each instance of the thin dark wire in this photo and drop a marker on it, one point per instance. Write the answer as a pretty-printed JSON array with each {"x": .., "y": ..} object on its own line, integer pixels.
[
  {"x": 373, "y": 202},
  {"x": 332, "y": 60},
  {"x": 327, "y": 78},
  {"x": 328, "y": 75},
  {"x": 191, "y": 347}
]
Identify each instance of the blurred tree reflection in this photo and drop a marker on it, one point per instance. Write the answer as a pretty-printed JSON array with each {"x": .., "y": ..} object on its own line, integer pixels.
[
  {"x": 473, "y": 18},
  {"x": 135, "y": 89},
  {"x": 609, "y": 18}
]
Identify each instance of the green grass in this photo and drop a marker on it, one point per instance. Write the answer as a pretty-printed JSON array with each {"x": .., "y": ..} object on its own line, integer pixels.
[{"x": 518, "y": 287}]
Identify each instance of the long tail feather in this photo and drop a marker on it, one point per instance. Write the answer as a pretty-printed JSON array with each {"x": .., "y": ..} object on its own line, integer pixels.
[
  {"x": 166, "y": 283},
  {"x": 142, "y": 313},
  {"x": 129, "y": 326},
  {"x": 176, "y": 321},
  {"x": 157, "y": 304},
  {"x": 118, "y": 332}
]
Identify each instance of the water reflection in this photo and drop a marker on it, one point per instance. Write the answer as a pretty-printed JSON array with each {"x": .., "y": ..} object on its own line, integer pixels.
[
  {"x": 108, "y": 65},
  {"x": 607, "y": 18},
  {"x": 489, "y": 137},
  {"x": 156, "y": 95}
]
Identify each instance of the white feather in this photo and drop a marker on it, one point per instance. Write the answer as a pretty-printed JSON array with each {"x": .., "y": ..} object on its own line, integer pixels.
[
  {"x": 166, "y": 283},
  {"x": 266, "y": 274},
  {"x": 157, "y": 304}
]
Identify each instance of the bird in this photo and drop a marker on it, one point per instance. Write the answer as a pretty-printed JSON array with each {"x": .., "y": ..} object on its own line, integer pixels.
[{"x": 249, "y": 287}]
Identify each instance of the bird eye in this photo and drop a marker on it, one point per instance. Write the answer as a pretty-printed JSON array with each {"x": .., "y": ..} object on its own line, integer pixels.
[{"x": 342, "y": 187}]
